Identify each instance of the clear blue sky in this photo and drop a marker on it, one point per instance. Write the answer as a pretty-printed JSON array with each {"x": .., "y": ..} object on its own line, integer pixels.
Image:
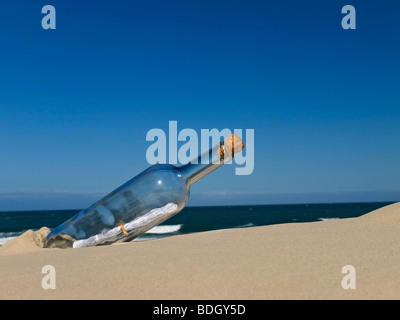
[{"x": 76, "y": 102}]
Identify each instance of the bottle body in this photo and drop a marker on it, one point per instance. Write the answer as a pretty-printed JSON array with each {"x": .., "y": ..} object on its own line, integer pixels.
[{"x": 159, "y": 192}]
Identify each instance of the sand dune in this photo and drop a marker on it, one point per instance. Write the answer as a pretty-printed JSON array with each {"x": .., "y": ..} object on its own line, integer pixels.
[{"x": 288, "y": 261}]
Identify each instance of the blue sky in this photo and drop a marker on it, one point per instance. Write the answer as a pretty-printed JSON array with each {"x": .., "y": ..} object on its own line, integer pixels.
[{"x": 76, "y": 102}]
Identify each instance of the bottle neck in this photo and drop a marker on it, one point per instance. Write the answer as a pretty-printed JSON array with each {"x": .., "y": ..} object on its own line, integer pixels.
[{"x": 201, "y": 166}]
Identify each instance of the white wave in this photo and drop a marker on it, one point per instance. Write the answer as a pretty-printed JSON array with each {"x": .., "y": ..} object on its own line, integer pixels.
[
  {"x": 7, "y": 236},
  {"x": 5, "y": 240},
  {"x": 165, "y": 229},
  {"x": 146, "y": 237},
  {"x": 327, "y": 219},
  {"x": 247, "y": 225}
]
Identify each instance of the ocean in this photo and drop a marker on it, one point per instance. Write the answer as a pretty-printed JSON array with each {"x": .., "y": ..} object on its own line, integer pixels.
[{"x": 198, "y": 219}]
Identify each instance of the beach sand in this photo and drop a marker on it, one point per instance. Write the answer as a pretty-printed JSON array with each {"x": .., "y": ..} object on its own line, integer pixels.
[{"x": 287, "y": 261}]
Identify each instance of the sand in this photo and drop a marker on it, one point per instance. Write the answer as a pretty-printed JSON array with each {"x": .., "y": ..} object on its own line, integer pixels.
[{"x": 287, "y": 261}]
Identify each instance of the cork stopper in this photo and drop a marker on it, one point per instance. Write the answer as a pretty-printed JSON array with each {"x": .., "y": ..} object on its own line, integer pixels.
[{"x": 233, "y": 144}]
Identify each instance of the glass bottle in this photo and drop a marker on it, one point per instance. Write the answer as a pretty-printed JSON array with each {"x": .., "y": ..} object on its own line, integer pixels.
[{"x": 140, "y": 204}]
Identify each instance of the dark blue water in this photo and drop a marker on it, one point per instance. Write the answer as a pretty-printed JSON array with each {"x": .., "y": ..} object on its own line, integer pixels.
[{"x": 198, "y": 219}]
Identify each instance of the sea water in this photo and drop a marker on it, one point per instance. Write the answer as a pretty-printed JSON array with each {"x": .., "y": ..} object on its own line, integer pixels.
[{"x": 198, "y": 219}]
